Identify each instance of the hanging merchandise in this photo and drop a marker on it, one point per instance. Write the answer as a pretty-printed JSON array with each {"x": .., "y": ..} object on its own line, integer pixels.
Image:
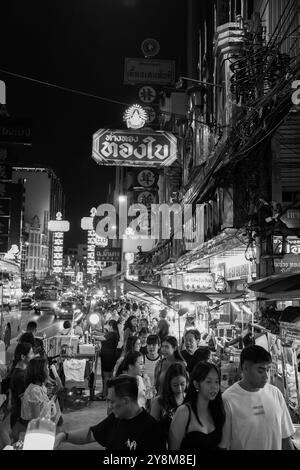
[
  {"x": 290, "y": 337},
  {"x": 74, "y": 369}
]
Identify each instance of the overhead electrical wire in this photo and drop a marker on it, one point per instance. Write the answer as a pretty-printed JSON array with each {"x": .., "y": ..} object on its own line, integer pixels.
[{"x": 100, "y": 98}]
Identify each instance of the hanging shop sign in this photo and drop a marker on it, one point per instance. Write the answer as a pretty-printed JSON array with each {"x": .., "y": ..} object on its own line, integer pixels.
[
  {"x": 146, "y": 178},
  {"x": 145, "y": 197},
  {"x": 141, "y": 148},
  {"x": 110, "y": 255},
  {"x": 147, "y": 94},
  {"x": 198, "y": 281},
  {"x": 150, "y": 47},
  {"x": 291, "y": 260},
  {"x": 237, "y": 272},
  {"x": 15, "y": 131},
  {"x": 150, "y": 71}
]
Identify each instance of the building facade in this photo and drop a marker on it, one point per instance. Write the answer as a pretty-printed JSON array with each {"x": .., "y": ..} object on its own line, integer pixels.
[
  {"x": 43, "y": 197},
  {"x": 238, "y": 151}
]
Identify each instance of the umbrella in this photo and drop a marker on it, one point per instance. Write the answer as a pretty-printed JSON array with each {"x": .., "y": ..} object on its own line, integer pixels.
[
  {"x": 190, "y": 297},
  {"x": 279, "y": 283}
]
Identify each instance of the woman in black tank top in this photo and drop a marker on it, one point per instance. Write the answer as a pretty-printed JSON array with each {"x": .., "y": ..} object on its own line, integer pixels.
[{"x": 197, "y": 424}]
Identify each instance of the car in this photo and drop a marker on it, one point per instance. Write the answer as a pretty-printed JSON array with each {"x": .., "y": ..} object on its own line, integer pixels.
[
  {"x": 26, "y": 303},
  {"x": 67, "y": 309}
]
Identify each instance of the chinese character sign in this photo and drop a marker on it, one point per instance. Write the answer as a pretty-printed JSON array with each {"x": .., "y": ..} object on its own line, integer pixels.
[{"x": 57, "y": 261}]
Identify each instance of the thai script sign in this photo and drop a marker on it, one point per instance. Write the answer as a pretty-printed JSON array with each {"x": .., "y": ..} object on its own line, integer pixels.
[
  {"x": 159, "y": 72},
  {"x": 236, "y": 272},
  {"x": 141, "y": 148},
  {"x": 15, "y": 131},
  {"x": 198, "y": 281},
  {"x": 291, "y": 260},
  {"x": 108, "y": 254}
]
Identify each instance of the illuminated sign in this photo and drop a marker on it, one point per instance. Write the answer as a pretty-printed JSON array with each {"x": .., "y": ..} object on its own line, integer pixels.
[
  {"x": 57, "y": 257},
  {"x": 108, "y": 254},
  {"x": 135, "y": 117},
  {"x": 296, "y": 94},
  {"x": 125, "y": 148},
  {"x": 58, "y": 225},
  {"x": 2, "y": 92}
]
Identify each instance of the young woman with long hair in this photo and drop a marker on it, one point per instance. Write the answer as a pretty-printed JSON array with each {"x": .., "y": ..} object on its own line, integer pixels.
[
  {"x": 130, "y": 327},
  {"x": 198, "y": 423},
  {"x": 133, "y": 343},
  {"x": 174, "y": 388},
  {"x": 170, "y": 353},
  {"x": 35, "y": 401}
]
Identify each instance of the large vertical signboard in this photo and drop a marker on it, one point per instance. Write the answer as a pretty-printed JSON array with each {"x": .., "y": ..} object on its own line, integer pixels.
[{"x": 58, "y": 226}]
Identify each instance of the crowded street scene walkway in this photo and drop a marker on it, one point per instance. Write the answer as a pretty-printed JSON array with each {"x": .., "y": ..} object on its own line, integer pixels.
[{"x": 149, "y": 229}]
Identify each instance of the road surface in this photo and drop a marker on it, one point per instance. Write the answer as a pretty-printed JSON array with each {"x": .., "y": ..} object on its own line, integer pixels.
[{"x": 46, "y": 324}]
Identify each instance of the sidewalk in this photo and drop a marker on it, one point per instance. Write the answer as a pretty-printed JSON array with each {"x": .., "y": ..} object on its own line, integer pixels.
[{"x": 92, "y": 414}]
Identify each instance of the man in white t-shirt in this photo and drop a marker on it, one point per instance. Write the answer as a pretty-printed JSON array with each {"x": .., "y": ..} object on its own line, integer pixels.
[{"x": 257, "y": 417}]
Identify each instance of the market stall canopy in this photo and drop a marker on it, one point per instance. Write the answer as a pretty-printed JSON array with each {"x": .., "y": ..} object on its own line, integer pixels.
[
  {"x": 190, "y": 297},
  {"x": 138, "y": 287},
  {"x": 278, "y": 283}
]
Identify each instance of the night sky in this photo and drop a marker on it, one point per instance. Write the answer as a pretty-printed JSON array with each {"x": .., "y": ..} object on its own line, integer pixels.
[{"x": 79, "y": 44}]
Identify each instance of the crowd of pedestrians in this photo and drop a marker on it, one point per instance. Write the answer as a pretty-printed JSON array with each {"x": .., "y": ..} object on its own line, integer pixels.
[{"x": 163, "y": 393}]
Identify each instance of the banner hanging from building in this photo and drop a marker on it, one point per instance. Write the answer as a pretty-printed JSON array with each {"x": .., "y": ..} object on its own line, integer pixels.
[{"x": 138, "y": 148}]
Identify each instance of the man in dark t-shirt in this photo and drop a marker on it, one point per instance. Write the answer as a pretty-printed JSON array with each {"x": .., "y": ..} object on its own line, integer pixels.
[{"x": 128, "y": 427}]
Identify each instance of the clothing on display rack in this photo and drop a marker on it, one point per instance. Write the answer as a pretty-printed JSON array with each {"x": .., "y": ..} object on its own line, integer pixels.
[{"x": 74, "y": 369}]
